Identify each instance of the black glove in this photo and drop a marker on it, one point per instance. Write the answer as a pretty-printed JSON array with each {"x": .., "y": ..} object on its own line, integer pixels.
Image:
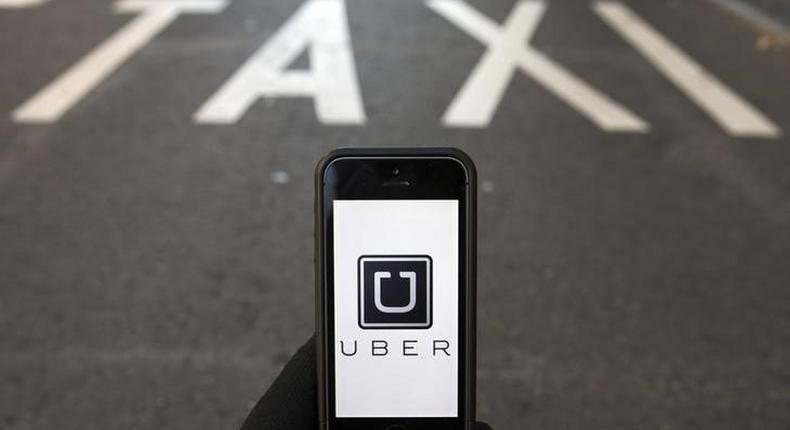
[{"x": 291, "y": 402}]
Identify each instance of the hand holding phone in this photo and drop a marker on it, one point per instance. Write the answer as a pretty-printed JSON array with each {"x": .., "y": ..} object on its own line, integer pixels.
[
  {"x": 291, "y": 403},
  {"x": 395, "y": 289}
]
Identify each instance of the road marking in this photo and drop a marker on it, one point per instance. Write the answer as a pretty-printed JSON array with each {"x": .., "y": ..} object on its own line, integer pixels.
[
  {"x": 52, "y": 102},
  {"x": 755, "y": 16},
  {"x": 319, "y": 26},
  {"x": 508, "y": 48},
  {"x": 20, "y": 4},
  {"x": 735, "y": 115}
]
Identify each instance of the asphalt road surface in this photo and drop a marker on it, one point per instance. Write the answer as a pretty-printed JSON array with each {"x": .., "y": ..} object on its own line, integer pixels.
[{"x": 156, "y": 165}]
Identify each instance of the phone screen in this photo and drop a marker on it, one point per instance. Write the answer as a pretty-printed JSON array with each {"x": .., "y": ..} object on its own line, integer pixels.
[
  {"x": 396, "y": 310},
  {"x": 396, "y": 304}
]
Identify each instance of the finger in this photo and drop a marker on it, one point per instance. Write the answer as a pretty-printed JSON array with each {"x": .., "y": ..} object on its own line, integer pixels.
[{"x": 482, "y": 426}]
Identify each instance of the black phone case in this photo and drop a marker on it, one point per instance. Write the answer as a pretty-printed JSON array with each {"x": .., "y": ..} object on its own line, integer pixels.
[{"x": 471, "y": 266}]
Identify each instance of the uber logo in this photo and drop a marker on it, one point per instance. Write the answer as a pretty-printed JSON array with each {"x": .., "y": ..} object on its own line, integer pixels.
[{"x": 395, "y": 291}]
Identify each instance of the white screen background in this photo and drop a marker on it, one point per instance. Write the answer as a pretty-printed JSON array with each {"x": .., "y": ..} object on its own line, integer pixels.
[{"x": 394, "y": 385}]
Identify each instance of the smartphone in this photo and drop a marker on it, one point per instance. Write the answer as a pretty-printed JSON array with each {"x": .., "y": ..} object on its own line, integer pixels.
[{"x": 395, "y": 265}]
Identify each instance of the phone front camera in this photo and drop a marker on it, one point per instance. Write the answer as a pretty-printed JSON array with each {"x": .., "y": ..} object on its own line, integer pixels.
[{"x": 395, "y": 171}]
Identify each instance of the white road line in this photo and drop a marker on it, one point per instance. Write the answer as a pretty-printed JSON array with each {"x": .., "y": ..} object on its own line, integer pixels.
[
  {"x": 755, "y": 16},
  {"x": 475, "y": 104},
  {"x": 20, "y": 4},
  {"x": 319, "y": 26},
  {"x": 728, "y": 109},
  {"x": 54, "y": 100}
]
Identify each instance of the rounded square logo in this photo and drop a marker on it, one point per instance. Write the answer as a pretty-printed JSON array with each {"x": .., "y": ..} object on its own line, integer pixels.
[{"x": 395, "y": 291}]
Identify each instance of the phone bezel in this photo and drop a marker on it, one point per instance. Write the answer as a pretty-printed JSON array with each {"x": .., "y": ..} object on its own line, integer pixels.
[{"x": 421, "y": 166}]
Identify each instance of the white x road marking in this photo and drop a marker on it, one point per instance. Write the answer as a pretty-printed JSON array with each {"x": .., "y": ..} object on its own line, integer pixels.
[
  {"x": 49, "y": 104},
  {"x": 734, "y": 114},
  {"x": 477, "y": 101}
]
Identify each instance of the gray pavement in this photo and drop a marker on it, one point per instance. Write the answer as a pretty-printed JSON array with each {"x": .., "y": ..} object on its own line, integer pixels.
[
  {"x": 157, "y": 273},
  {"x": 778, "y": 9}
]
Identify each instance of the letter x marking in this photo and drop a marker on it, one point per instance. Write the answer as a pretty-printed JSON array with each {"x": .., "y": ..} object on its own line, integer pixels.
[{"x": 508, "y": 49}]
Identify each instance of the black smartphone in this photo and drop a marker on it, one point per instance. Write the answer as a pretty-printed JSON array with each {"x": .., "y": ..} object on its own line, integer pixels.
[{"x": 395, "y": 265}]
